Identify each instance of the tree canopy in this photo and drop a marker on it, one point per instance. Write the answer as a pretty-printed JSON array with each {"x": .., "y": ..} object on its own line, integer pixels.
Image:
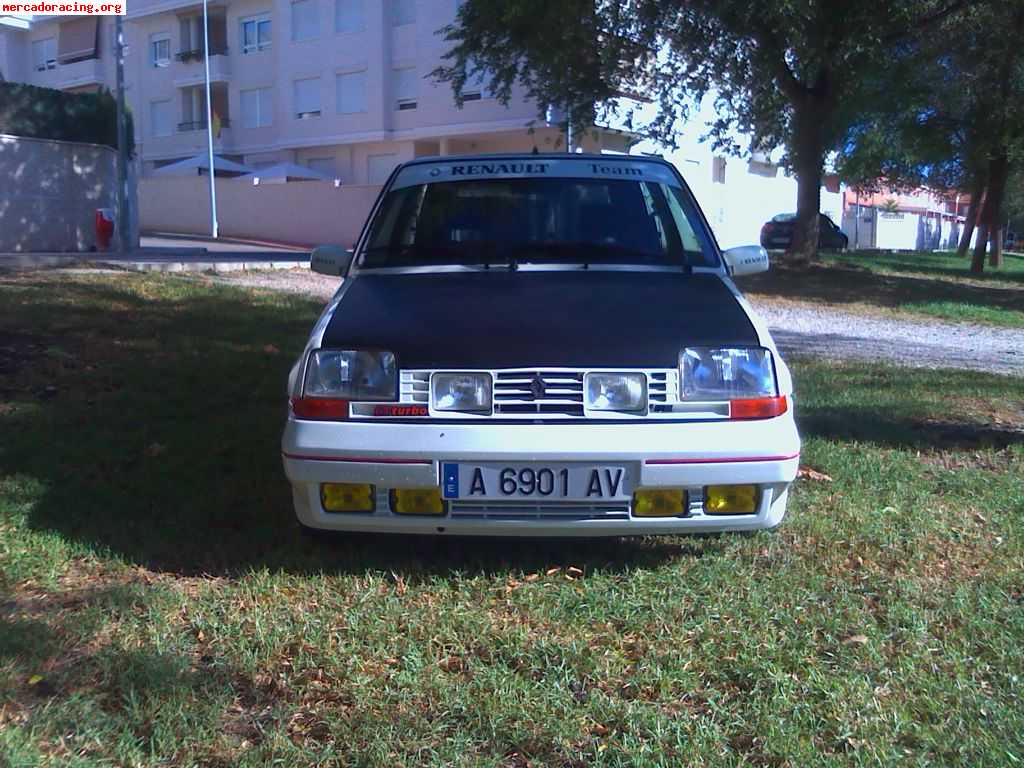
[{"x": 785, "y": 73}]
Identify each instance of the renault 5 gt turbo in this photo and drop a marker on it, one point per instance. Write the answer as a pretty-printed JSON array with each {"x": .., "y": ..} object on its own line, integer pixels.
[{"x": 539, "y": 345}]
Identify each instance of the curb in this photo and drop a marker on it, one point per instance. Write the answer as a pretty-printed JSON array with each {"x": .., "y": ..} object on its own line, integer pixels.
[{"x": 203, "y": 266}]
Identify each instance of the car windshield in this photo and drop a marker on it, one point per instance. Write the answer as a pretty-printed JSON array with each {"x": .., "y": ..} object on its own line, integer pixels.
[{"x": 509, "y": 221}]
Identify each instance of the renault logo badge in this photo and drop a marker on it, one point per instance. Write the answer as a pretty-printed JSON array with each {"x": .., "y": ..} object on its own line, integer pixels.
[{"x": 537, "y": 387}]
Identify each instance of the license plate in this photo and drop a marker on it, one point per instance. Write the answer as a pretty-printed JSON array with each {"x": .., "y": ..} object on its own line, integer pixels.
[{"x": 537, "y": 482}]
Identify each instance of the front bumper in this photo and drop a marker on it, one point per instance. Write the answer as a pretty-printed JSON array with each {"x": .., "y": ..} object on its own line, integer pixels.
[{"x": 662, "y": 455}]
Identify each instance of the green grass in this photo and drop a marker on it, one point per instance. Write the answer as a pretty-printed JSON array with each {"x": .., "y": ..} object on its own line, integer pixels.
[
  {"x": 938, "y": 263},
  {"x": 906, "y": 284},
  {"x": 962, "y": 312},
  {"x": 158, "y": 606}
]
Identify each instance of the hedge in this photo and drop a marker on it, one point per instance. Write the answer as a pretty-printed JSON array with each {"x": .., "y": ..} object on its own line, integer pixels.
[{"x": 46, "y": 113}]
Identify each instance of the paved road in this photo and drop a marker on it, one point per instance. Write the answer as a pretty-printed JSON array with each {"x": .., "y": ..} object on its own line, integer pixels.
[
  {"x": 220, "y": 246},
  {"x": 805, "y": 329}
]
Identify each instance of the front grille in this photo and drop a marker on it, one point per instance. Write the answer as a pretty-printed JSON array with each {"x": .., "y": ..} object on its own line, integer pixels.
[
  {"x": 537, "y": 394},
  {"x": 549, "y": 510},
  {"x": 544, "y": 393}
]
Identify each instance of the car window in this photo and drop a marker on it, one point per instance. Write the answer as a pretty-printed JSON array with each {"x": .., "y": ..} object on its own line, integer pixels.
[{"x": 537, "y": 220}]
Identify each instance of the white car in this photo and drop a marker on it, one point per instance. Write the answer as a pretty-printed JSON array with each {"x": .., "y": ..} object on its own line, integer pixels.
[{"x": 539, "y": 345}]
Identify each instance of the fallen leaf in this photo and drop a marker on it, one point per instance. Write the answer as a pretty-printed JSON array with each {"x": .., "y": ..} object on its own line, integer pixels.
[
  {"x": 452, "y": 664},
  {"x": 599, "y": 730},
  {"x": 552, "y": 571},
  {"x": 154, "y": 450},
  {"x": 532, "y": 577},
  {"x": 573, "y": 572},
  {"x": 980, "y": 517},
  {"x": 35, "y": 680},
  {"x": 856, "y": 640},
  {"x": 270, "y": 349},
  {"x": 812, "y": 474}
]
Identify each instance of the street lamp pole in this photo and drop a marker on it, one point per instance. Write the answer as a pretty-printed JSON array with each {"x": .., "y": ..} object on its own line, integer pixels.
[
  {"x": 121, "y": 216},
  {"x": 209, "y": 121}
]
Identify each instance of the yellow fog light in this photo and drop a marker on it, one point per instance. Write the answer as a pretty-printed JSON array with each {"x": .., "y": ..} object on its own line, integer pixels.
[
  {"x": 417, "y": 501},
  {"x": 347, "y": 497},
  {"x": 730, "y": 499},
  {"x": 660, "y": 502}
]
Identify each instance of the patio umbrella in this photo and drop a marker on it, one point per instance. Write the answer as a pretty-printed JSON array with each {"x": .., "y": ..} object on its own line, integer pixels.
[
  {"x": 282, "y": 172},
  {"x": 192, "y": 166}
]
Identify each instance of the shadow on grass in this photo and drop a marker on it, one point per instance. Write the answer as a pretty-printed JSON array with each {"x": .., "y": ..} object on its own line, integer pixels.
[
  {"x": 875, "y": 426},
  {"x": 62, "y": 671},
  {"x": 147, "y": 423},
  {"x": 843, "y": 283}
]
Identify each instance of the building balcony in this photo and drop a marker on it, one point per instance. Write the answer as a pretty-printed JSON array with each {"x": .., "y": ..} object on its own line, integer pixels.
[
  {"x": 75, "y": 74},
  {"x": 200, "y": 125},
  {"x": 80, "y": 73},
  {"x": 189, "y": 69}
]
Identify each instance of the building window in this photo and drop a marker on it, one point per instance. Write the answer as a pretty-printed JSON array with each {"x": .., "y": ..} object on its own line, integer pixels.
[
  {"x": 44, "y": 54},
  {"x": 160, "y": 118},
  {"x": 351, "y": 88},
  {"x": 256, "y": 33},
  {"x": 305, "y": 24},
  {"x": 257, "y": 108},
  {"x": 477, "y": 86},
  {"x": 348, "y": 15},
  {"x": 403, "y": 12},
  {"x": 306, "y": 98},
  {"x": 406, "y": 86},
  {"x": 160, "y": 49},
  {"x": 379, "y": 167},
  {"x": 718, "y": 170}
]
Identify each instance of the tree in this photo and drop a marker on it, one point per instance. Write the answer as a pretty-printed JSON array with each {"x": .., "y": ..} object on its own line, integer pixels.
[
  {"x": 958, "y": 125},
  {"x": 787, "y": 74}
]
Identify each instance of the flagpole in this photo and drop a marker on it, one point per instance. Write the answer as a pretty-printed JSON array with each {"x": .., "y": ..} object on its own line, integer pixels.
[{"x": 209, "y": 120}]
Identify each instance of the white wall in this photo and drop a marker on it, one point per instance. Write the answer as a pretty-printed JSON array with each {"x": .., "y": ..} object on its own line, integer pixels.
[
  {"x": 302, "y": 212},
  {"x": 50, "y": 193}
]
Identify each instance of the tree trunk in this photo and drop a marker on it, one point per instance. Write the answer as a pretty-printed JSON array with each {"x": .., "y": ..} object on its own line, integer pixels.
[
  {"x": 808, "y": 149},
  {"x": 978, "y": 259},
  {"x": 977, "y": 195},
  {"x": 997, "y": 191},
  {"x": 991, "y": 213}
]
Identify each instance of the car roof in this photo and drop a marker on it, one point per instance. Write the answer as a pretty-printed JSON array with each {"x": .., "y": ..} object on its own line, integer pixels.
[{"x": 591, "y": 156}]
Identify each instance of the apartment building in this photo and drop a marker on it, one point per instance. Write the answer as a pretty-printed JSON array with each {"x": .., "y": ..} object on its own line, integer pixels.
[
  {"x": 70, "y": 53},
  {"x": 340, "y": 86}
]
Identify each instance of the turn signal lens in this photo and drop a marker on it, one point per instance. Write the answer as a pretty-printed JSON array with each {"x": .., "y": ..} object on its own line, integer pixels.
[
  {"x": 758, "y": 408},
  {"x": 661, "y": 502},
  {"x": 347, "y": 497},
  {"x": 417, "y": 501},
  {"x": 730, "y": 499},
  {"x": 320, "y": 408}
]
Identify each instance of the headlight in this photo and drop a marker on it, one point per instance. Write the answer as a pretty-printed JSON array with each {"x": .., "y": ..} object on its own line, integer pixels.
[
  {"x": 725, "y": 374},
  {"x": 625, "y": 392},
  {"x": 466, "y": 392},
  {"x": 351, "y": 375}
]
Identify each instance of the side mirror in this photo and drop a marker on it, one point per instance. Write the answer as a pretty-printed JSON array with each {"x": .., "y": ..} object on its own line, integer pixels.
[
  {"x": 330, "y": 260},
  {"x": 746, "y": 260}
]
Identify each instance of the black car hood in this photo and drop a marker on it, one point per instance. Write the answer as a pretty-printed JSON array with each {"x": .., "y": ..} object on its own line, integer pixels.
[{"x": 504, "y": 319}]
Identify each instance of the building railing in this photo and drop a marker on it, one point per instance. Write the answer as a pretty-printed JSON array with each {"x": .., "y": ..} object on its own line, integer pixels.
[
  {"x": 196, "y": 54},
  {"x": 200, "y": 125}
]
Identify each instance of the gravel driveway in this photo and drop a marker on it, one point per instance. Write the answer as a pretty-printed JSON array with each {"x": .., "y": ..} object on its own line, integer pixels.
[{"x": 804, "y": 329}]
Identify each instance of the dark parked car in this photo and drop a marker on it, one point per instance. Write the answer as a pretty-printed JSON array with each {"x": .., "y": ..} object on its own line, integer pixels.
[{"x": 778, "y": 233}]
